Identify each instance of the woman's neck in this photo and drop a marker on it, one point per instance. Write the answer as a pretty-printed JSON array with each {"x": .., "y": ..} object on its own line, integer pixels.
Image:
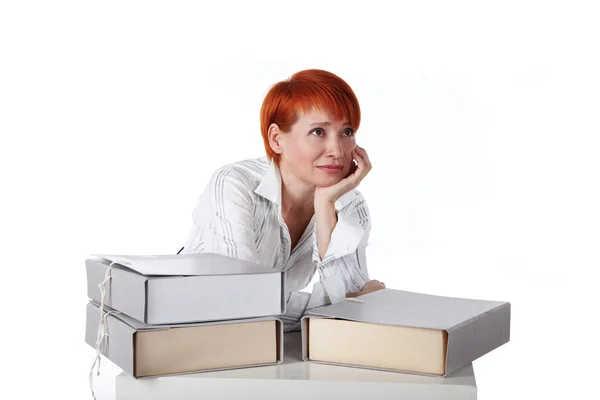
[{"x": 296, "y": 196}]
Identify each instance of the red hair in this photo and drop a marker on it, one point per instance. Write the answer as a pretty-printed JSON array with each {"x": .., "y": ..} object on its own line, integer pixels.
[{"x": 302, "y": 92}]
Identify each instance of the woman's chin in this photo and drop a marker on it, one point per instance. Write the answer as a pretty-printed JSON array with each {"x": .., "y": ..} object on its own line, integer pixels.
[{"x": 326, "y": 181}]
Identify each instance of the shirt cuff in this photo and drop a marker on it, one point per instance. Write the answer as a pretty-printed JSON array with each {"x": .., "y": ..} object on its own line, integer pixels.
[
  {"x": 296, "y": 304},
  {"x": 319, "y": 297},
  {"x": 334, "y": 287},
  {"x": 345, "y": 239}
]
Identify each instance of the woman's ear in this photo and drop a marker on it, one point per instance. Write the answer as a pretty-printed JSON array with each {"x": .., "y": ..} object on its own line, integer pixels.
[{"x": 275, "y": 135}]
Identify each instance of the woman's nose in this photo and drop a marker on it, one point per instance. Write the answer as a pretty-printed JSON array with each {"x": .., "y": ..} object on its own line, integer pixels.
[{"x": 334, "y": 147}]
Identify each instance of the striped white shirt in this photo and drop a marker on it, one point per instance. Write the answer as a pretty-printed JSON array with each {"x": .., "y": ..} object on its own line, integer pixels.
[{"x": 239, "y": 215}]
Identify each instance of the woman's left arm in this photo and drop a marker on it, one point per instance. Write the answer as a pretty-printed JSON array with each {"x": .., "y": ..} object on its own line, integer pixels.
[
  {"x": 342, "y": 235},
  {"x": 339, "y": 249}
]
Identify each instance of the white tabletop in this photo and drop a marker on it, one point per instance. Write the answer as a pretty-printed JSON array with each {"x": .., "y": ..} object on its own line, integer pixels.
[{"x": 297, "y": 379}]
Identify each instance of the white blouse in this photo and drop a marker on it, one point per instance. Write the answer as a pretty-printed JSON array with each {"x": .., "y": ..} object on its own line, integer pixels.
[{"x": 239, "y": 215}]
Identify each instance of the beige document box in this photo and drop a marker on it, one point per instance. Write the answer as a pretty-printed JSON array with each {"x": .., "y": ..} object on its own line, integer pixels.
[
  {"x": 404, "y": 331},
  {"x": 157, "y": 350}
]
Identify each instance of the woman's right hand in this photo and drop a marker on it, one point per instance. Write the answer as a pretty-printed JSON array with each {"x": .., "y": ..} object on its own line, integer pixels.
[{"x": 371, "y": 286}]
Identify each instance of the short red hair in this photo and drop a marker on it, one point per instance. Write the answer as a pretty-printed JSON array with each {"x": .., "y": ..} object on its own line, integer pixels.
[{"x": 302, "y": 92}]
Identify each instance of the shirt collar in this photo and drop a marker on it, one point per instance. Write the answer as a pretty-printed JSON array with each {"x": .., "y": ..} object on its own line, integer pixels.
[
  {"x": 270, "y": 188},
  {"x": 270, "y": 184}
]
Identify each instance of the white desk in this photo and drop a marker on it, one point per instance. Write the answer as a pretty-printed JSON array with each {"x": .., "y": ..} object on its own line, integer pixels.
[{"x": 296, "y": 379}]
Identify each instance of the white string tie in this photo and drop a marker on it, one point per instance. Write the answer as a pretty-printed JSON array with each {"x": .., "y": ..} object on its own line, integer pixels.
[{"x": 102, "y": 334}]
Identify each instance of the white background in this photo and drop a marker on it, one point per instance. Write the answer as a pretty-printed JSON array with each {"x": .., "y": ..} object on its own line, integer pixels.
[{"x": 480, "y": 118}]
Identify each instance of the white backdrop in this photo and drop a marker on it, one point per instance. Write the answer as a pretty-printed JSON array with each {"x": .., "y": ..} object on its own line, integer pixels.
[{"x": 480, "y": 118}]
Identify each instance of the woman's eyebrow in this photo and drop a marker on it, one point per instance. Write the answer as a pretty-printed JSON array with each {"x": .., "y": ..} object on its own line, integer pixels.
[{"x": 327, "y": 123}]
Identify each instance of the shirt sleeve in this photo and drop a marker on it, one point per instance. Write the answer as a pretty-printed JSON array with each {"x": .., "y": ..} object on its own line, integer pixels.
[
  {"x": 223, "y": 224},
  {"x": 343, "y": 269}
]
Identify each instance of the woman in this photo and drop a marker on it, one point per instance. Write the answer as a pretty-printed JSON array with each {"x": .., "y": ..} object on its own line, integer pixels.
[{"x": 296, "y": 208}]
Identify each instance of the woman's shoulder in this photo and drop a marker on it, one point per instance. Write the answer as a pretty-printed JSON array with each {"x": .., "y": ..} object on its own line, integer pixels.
[{"x": 247, "y": 173}]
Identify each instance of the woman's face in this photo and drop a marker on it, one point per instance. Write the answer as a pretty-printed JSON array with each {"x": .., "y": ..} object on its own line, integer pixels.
[{"x": 318, "y": 150}]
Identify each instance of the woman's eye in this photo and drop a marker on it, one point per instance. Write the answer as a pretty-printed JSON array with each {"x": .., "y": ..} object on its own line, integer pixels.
[{"x": 320, "y": 132}]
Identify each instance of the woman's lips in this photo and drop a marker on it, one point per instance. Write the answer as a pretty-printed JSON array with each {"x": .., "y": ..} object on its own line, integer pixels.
[{"x": 331, "y": 169}]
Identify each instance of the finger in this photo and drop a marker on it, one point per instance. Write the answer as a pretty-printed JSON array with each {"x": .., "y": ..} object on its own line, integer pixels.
[
  {"x": 366, "y": 163},
  {"x": 359, "y": 158},
  {"x": 365, "y": 157},
  {"x": 361, "y": 167}
]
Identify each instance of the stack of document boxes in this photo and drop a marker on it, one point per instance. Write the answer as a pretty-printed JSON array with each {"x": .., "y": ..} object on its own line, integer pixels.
[{"x": 174, "y": 314}]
